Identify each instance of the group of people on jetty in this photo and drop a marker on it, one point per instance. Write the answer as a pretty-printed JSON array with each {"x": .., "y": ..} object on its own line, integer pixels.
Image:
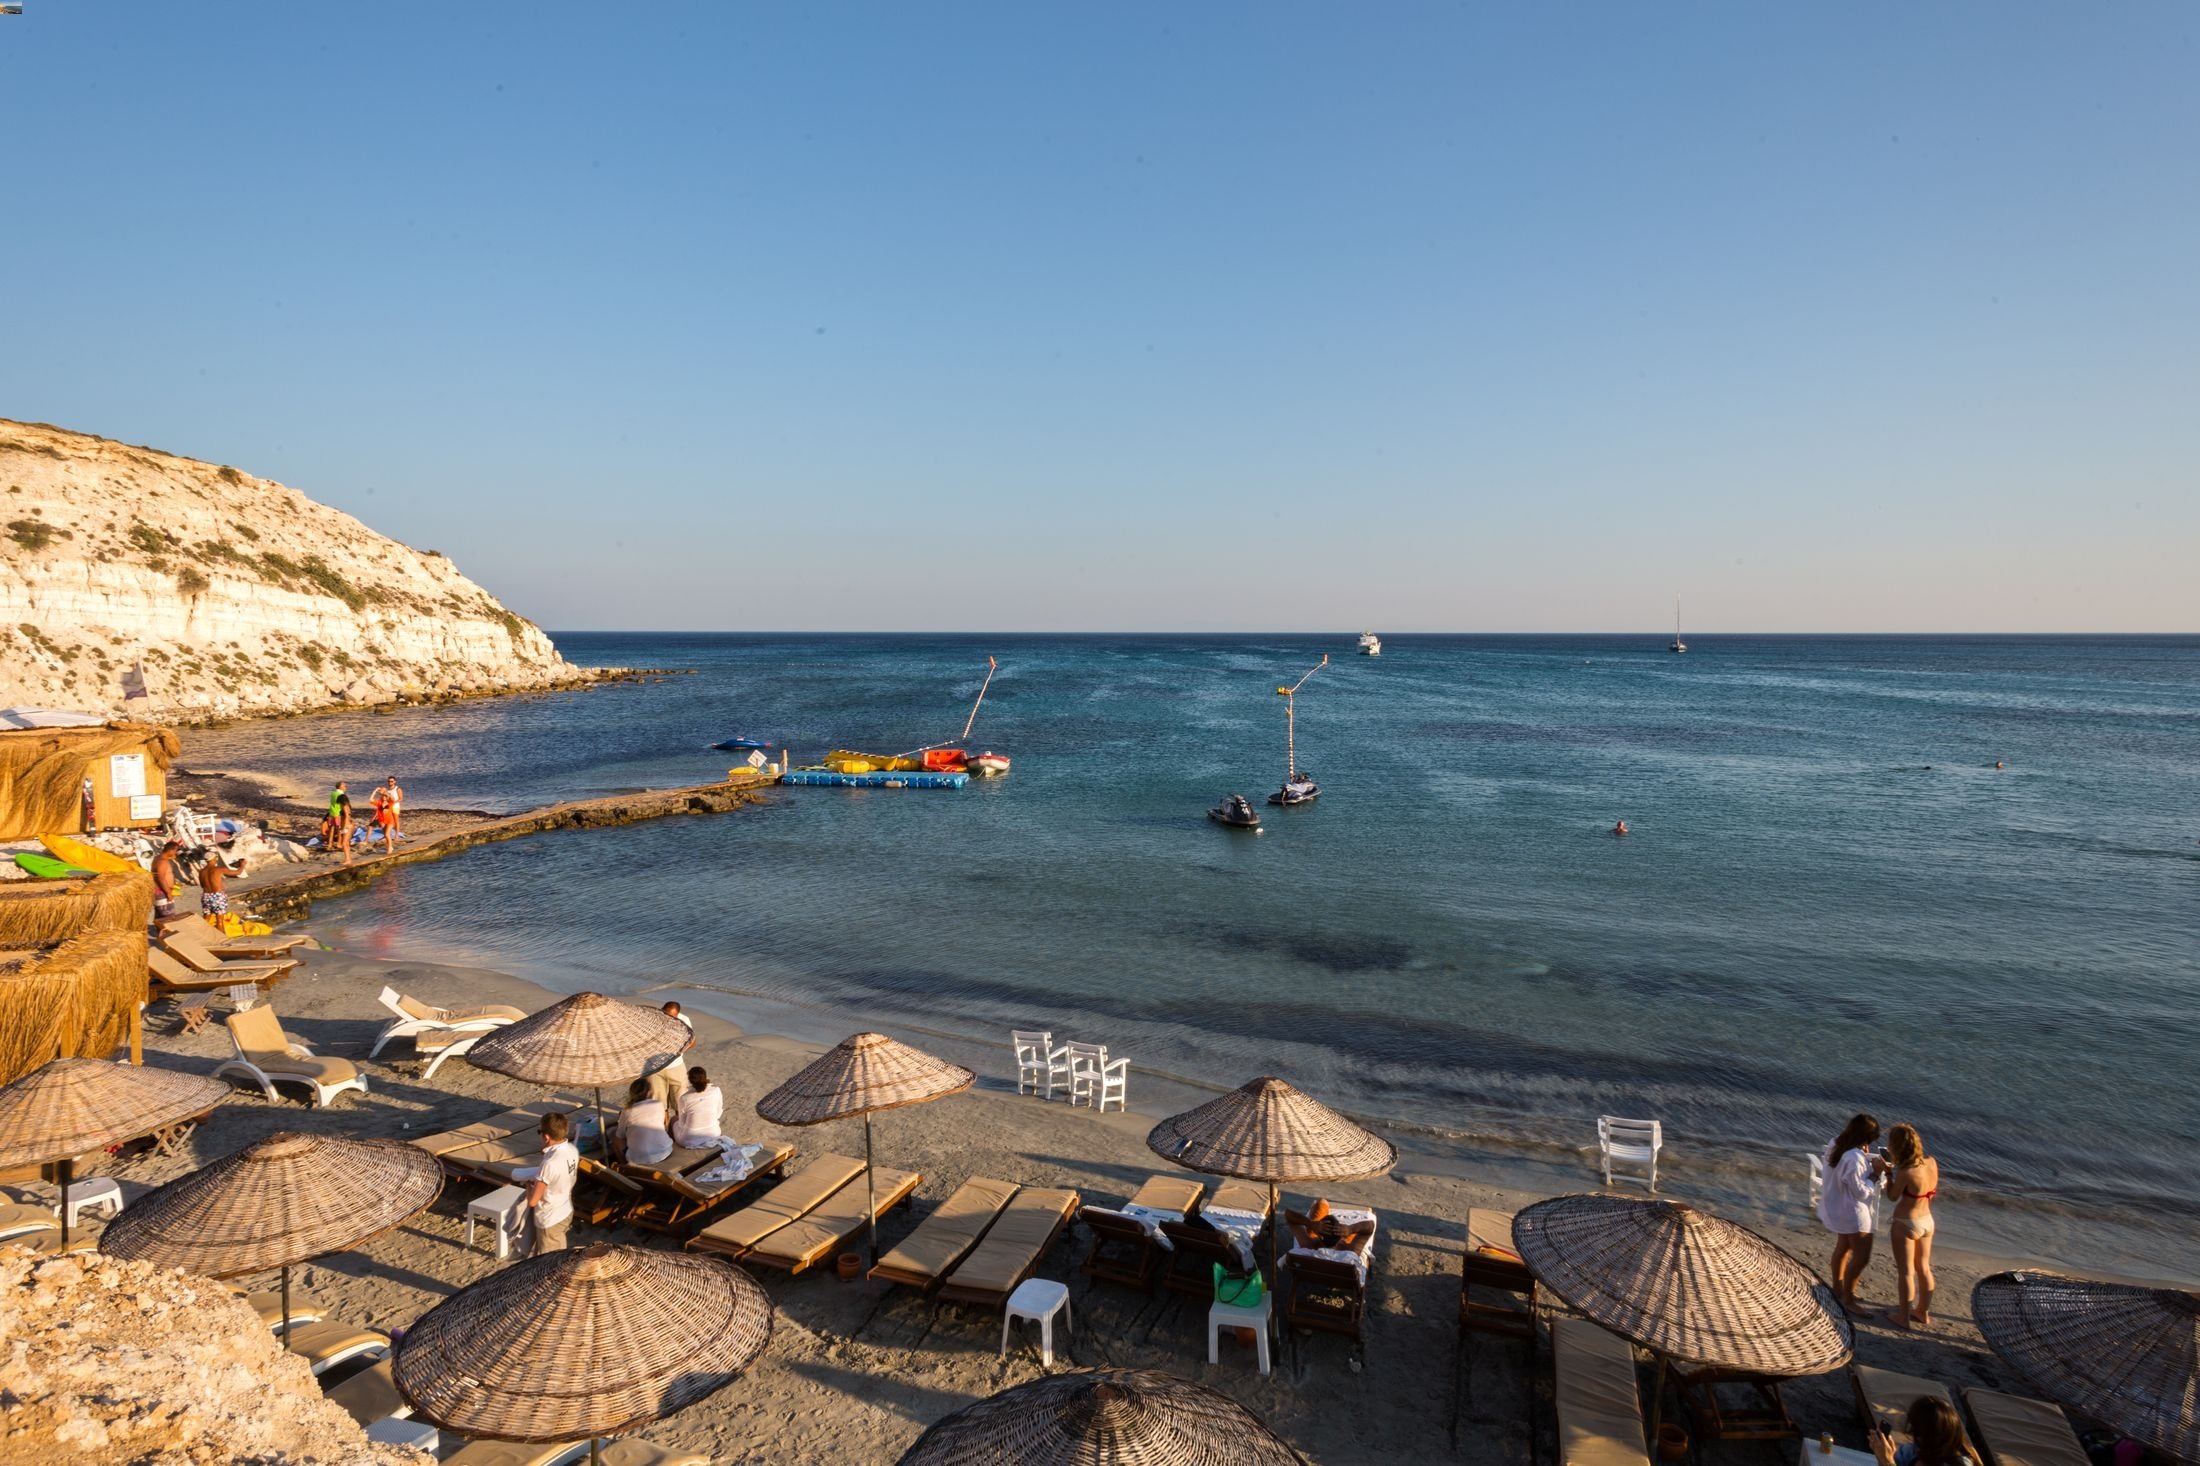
[{"x": 1856, "y": 1176}]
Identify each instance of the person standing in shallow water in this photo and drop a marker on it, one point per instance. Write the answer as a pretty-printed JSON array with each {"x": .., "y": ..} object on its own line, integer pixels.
[{"x": 1848, "y": 1203}]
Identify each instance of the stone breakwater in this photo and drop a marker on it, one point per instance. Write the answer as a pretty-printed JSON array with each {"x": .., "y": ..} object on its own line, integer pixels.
[{"x": 240, "y": 596}]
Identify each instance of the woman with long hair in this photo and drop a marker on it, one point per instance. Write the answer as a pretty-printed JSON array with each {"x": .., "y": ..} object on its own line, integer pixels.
[
  {"x": 1913, "y": 1180},
  {"x": 1848, "y": 1202},
  {"x": 1936, "y": 1437}
]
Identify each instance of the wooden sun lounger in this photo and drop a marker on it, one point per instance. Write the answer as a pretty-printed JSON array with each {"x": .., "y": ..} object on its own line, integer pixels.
[
  {"x": 167, "y": 976},
  {"x": 2020, "y": 1432},
  {"x": 1198, "y": 1246},
  {"x": 1595, "y": 1396},
  {"x": 326, "y": 1343},
  {"x": 184, "y": 945},
  {"x": 1885, "y": 1398},
  {"x": 371, "y": 1394},
  {"x": 271, "y": 946},
  {"x": 807, "y": 1188},
  {"x": 1123, "y": 1251},
  {"x": 1490, "y": 1263},
  {"x": 824, "y": 1230},
  {"x": 304, "y": 1308},
  {"x": 946, "y": 1237},
  {"x": 671, "y": 1200},
  {"x": 626, "y": 1451},
  {"x": 497, "y": 1127},
  {"x": 1012, "y": 1249}
]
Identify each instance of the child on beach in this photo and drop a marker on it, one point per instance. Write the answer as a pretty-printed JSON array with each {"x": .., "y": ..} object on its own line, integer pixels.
[
  {"x": 1848, "y": 1203},
  {"x": 388, "y": 800},
  {"x": 549, "y": 1199}
]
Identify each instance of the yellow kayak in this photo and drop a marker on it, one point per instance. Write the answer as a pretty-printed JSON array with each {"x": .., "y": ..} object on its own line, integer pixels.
[
  {"x": 87, "y": 857},
  {"x": 845, "y": 761}
]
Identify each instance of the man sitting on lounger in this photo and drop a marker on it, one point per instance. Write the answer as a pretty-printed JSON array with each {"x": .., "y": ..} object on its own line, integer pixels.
[{"x": 550, "y": 1188}]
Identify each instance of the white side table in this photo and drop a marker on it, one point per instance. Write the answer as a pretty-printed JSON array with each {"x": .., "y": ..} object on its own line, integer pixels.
[
  {"x": 1037, "y": 1299},
  {"x": 100, "y": 1193},
  {"x": 1231, "y": 1316},
  {"x": 496, "y": 1209}
]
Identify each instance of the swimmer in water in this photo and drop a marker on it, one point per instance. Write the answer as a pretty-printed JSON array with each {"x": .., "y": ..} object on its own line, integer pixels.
[
  {"x": 1997, "y": 763},
  {"x": 1620, "y": 828}
]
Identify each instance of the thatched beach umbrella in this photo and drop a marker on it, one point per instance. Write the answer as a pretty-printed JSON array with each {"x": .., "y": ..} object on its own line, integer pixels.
[
  {"x": 280, "y": 1201},
  {"x": 587, "y": 1039},
  {"x": 1684, "y": 1284},
  {"x": 68, "y": 1107},
  {"x": 587, "y": 1342},
  {"x": 1103, "y": 1417},
  {"x": 2129, "y": 1356},
  {"x": 863, "y": 1074},
  {"x": 1265, "y": 1130}
]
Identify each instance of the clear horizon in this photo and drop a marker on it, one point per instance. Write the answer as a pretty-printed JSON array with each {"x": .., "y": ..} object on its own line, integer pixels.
[{"x": 1851, "y": 322}]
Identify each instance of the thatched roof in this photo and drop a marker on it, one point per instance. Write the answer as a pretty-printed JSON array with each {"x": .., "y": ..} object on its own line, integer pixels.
[
  {"x": 2124, "y": 1354},
  {"x": 36, "y": 912},
  {"x": 863, "y": 1073},
  {"x": 76, "y": 997},
  {"x": 584, "y": 1342},
  {"x": 1684, "y": 1283},
  {"x": 276, "y": 1203},
  {"x": 42, "y": 772},
  {"x": 70, "y": 1106},
  {"x": 586, "y": 1039},
  {"x": 1266, "y": 1130},
  {"x": 1103, "y": 1417}
]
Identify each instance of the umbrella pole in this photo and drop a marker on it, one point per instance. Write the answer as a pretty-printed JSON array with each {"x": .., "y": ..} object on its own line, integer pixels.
[
  {"x": 65, "y": 1169},
  {"x": 870, "y": 1187},
  {"x": 286, "y": 1300},
  {"x": 603, "y": 1140},
  {"x": 1657, "y": 1403}
]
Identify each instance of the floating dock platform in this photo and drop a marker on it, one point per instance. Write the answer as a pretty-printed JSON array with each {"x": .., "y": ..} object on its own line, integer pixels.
[{"x": 877, "y": 779}]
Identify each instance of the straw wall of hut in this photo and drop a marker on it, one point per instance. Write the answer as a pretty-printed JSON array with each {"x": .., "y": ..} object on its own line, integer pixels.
[
  {"x": 77, "y": 997},
  {"x": 37, "y": 913},
  {"x": 42, "y": 774}
]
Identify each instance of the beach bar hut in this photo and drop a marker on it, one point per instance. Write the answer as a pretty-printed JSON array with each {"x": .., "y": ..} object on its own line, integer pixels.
[
  {"x": 1701, "y": 1293},
  {"x": 2123, "y": 1353},
  {"x": 61, "y": 781},
  {"x": 1103, "y": 1417},
  {"x": 587, "y": 1342}
]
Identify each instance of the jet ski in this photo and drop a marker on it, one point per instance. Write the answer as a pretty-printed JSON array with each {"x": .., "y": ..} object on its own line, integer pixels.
[
  {"x": 741, "y": 745},
  {"x": 1298, "y": 789},
  {"x": 1237, "y": 812}
]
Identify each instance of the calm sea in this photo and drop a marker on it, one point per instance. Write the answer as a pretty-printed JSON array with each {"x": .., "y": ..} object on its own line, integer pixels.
[{"x": 1832, "y": 899}]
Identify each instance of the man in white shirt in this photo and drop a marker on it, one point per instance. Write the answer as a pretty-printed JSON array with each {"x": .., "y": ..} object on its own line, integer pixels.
[
  {"x": 670, "y": 1082},
  {"x": 702, "y": 1113},
  {"x": 549, "y": 1198}
]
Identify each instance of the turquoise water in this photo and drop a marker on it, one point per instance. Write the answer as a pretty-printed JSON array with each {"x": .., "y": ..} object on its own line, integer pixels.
[{"x": 1832, "y": 899}]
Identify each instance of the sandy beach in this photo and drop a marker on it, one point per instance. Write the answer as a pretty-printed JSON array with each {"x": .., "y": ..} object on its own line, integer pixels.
[{"x": 856, "y": 1370}]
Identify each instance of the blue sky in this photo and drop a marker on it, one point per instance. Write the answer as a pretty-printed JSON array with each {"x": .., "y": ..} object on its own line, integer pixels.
[{"x": 969, "y": 316}]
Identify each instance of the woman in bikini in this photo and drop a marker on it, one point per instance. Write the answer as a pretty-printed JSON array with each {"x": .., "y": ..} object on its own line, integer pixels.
[{"x": 1913, "y": 1182}]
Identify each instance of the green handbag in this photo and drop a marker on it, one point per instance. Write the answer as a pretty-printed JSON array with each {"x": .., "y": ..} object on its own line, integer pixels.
[{"x": 1242, "y": 1292}]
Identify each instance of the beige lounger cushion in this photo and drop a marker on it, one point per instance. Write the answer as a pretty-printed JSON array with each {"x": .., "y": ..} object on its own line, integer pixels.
[
  {"x": 1240, "y": 1196},
  {"x": 1599, "y": 1408},
  {"x": 806, "y": 1240},
  {"x": 197, "y": 952},
  {"x": 805, "y": 1189},
  {"x": 2021, "y": 1432},
  {"x": 18, "y": 1217},
  {"x": 48, "y": 1243},
  {"x": 1889, "y": 1396},
  {"x": 304, "y": 1307},
  {"x": 942, "y": 1239},
  {"x": 370, "y": 1395},
  {"x": 324, "y": 1340},
  {"x": 631, "y": 1452},
  {"x": 1012, "y": 1245},
  {"x": 171, "y": 973},
  {"x": 511, "y": 1453},
  {"x": 1169, "y": 1193},
  {"x": 260, "y": 1042},
  {"x": 1490, "y": 1230}
]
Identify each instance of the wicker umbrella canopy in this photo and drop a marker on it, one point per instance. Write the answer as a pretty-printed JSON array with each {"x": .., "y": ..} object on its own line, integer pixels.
[
  {"x": 279, "y": 1201},
  {"x": 586, "y": 1039},
  {"x": 1103, "y": 1417},
  {"x": 1686, "y": 1285},
  {"x": 586, "y": 1342},
  {"x": 69, "y": 1106},
  {"x": 2128, "y": 1356},
  {"x": 861, "y": 1075},
  {"x": 1268, "y": 1131}
]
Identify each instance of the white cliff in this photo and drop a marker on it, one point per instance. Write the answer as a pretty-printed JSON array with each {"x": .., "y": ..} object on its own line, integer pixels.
[{"x": 239, "y": 595}]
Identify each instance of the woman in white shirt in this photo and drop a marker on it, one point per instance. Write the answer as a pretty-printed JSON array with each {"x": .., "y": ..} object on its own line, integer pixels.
[
  {"x": 1848, "y": 1203},
  {"x": 702, "y": 1112},
  {"x": 642, "y": 1139}
]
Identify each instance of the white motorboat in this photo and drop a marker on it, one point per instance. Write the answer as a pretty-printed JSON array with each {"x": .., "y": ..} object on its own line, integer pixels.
[
  {"x": 1371, "y": 645},
  {"x": 988, "y": 765}
]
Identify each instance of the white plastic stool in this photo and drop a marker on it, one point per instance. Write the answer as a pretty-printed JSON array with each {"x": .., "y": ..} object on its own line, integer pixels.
[
  {"x": 99, "y": 1193},
  {"x": 496, "y": 1209},
  {"x": 1037, "y": 1299},
  {"x": 1230, "y": 1316}
]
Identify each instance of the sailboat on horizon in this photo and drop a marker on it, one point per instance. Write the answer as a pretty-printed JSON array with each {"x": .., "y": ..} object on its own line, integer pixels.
[{"x": 1677, "y": 645}]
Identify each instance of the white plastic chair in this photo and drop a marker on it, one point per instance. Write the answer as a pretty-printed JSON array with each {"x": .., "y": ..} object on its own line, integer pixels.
[
  {"x": 1093, "y": 1080},
  {"x": 1041, "y": 1068},
  {"x": 410, "y": 1018},
  {"x": 1630, "y": 1142}
]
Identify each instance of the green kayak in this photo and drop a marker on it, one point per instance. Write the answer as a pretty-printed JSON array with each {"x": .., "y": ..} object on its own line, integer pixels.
[{"x": 47, "y": 868}]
